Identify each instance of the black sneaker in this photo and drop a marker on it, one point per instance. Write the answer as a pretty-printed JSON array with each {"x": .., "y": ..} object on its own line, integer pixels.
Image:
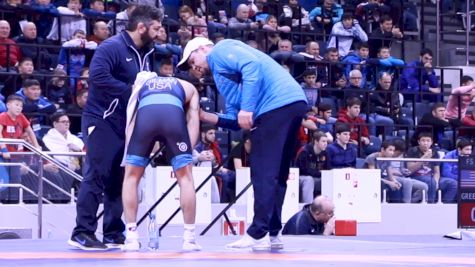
[
  {"x": 115, "y": 241},
  {"x": 86, "y": 242}
]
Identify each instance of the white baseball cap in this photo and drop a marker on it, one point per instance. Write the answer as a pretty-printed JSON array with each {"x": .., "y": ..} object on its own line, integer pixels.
[{"x": 190, "y": 47}]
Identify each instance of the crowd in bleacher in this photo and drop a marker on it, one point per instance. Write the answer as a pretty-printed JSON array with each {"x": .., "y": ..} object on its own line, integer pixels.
[{"x": 360, "y": 98}]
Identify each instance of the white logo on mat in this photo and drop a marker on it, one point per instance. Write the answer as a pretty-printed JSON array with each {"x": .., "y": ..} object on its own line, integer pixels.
[
  {"x": 182, "y": 146},
  {"x": 128, "y": 59}
]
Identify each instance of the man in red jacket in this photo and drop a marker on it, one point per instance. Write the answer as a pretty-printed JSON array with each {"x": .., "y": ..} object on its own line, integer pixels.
[
  {"x": 359, "y": 129},
  {"x": 7, "y": 47}
]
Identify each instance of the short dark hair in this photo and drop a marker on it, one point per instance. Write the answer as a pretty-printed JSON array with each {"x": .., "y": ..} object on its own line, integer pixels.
[
  {"x": 144, "y": 14},
  {"x": 207, "y": 127},
  {"x": 166, "y": 61},
  {"x": 399, "y": 144},
  {"x": 386, "y": 144},
  {"x": 362, "y": 45},
  {"x": 347, "y": 16},
  {"x": 424, "y": 134},
  {"x": 309, "y": 72},
  {"x": 58, "y": 114},
  {"x": 25, "y": 59},
  {"x": 30, "y": 82},
  {"x": 317, "y": 135},
  {"x": 437, "y": 105},
  {"x": 385, "y": 18},
  {"x": 332, "y": 50},
  {"x": 426, "y": 51},
  {"x": 351, "y": 101},
  {"x": 466, "y": 79},
  {"x": 384, "y": 47},
  {"x": 15, "y": 98},
  {"x": 322, "y": 107},
  {"x": 463, "y": 142},
  {"x": 342, "y": 127}
]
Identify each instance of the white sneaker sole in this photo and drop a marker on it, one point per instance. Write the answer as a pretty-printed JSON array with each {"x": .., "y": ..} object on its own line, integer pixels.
[
  {"x": 131, "y": 247},
  {"x": 79, "y": 246}
]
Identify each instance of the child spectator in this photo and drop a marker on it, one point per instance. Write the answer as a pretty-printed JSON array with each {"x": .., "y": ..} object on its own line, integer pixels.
[
  {"x": 342, "y": 153},
  {"x": 57, "y": 91},
  {"x": 47, "y": 12},
  {"x": 71, "y": 21},
  {"x": 72, "y": 57},
  {"x": 346, "y": 31}
]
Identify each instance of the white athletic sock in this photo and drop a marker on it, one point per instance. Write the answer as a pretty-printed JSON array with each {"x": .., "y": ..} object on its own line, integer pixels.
[
  {"x": 189, "y": 234},
  {"x": 131, "y": 230}
]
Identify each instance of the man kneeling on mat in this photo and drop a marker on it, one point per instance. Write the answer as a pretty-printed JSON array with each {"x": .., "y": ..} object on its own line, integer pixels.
[{"x": 161, "y": 109}]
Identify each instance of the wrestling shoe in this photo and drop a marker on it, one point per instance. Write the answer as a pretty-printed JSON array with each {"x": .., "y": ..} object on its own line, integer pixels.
[
  {"x": 248, "y": 242},
  {"x": 86, "y": 242},
  {"x": 131, "y": 242},
  {"x": 191, "y": 245}
]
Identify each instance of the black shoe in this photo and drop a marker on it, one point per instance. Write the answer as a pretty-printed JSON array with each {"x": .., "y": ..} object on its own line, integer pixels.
[
  {"x": 86, "y": 242},
  {"x": 115, "y": 241}
]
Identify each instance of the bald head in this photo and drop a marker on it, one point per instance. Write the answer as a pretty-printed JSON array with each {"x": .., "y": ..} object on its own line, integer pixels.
[
  {"x": 4, "y": 29},
  {"x": 322, "y": 209},
  {"x": 29, "y": 30},
  {"x": 242, "y": 12},
  {"x": 101, "y": 31}
]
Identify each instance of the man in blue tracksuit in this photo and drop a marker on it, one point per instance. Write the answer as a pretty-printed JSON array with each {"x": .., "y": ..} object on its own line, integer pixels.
[
  {"x": 264, "y": 98},
  {"x": 113, "y": 69}
]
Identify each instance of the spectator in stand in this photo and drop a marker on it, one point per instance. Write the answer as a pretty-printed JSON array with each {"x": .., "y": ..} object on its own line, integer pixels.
[
  {"x": 326, "y": 15},
  {"x": 468, "y": 124},
  {"x": 31, "y": 48},
  {"x": 358, "y": 60},
  {"x": 311, "y": 160},
  {"x": 369, "y": 13},
  {"x": 239, "y": 156},
  {"x": 354, "y": 89},
  {"x": 285, "y": 55},
  {"x": 398, "y": 190},
  {"x": 34, "y": 102},
  {"x": 75, "y": 111},
  {"x": 386, "y": 62},
  {"x": 429, "y": 172},
  {"x": 270, "y": 36},
  {"x": 333, "y": 74},
  {"x": 312, "y": 51},
  {"x": 419, "y": 76},
  {"x": 325, "y": 113},
  {"x": 166, "y": 68},
  {"x": 72, "y": 56},
  {"x": 190, "y": 25},
  {"x": 385, "y": 107},
  {"x": 82, "y": 83},
  {"x": 71, "y": 21},
  {"x": 10, "y": 53},
  {"x": 384, "y": 35},
  {"x": 208, "y": 153},
  {"x": 96, "y": 9},
  {"x": 217, "y": 15},
  {"x": 60, "y": 140},
  {"x": 100, "y": 32},
  {"x": 316, "y": 218},
  {"x": 313, "y": 60},
  {"x": 462, "y": 96},
  {"x": 450, "y": 169},
  {"x": 358, "y": 127},
  {"x": 311, "y": 87},
  {"x": 342, "y": 153},
  {"x": 295, "y": 16},
  {"x": 44, "y": 20},
  {"x": 164, "y": 49},
  {"x": 402, "y": 174},
  {"x": 15, "y": 82},
  {"x": 122, "y": 19},
  {"x": 14, "y": 11},
  {"x": 346, "y": 31},
  {"x": 435, "y": 123},
  {"x": 13, "y": 124},
  {"x": 58, "y": 92},
  {"x": 239, "y": 27}
]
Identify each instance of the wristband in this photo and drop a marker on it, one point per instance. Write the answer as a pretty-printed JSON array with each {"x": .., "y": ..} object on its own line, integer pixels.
[{"x": 4, "y": 149}]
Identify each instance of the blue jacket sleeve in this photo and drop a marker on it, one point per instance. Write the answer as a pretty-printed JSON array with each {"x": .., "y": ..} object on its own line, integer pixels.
[
  {"x": 101, "y": 68},
  {"x": 432, "y": 79},
  {"x": 339, "y": 13},
  {"x": 239, "y": 60},
  {"x": 315, "y": 13},
  {"x": 409, "y": 75},
  {"x": 391, "y": 62},
  {"x": 448, "y": 167}
]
